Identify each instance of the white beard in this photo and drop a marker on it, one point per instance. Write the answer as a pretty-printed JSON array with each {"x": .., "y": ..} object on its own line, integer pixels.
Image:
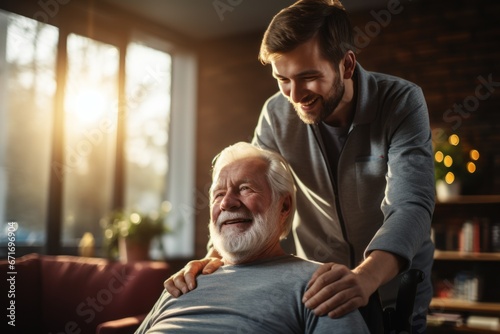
[{"x": 238, "y": 246}]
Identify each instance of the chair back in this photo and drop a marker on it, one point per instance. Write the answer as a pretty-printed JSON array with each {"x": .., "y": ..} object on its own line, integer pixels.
[
  {"x": 397, "y": 319},
  {"x": 400, "y": 319}
]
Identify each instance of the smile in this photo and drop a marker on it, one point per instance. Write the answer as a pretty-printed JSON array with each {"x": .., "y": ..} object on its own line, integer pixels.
[
  {"x": 236, "y": 221},
  {"x": 309, "y": 103}
]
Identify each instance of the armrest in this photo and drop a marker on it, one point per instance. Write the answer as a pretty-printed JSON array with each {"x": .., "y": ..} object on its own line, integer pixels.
[{"x": 121, "y": 326}]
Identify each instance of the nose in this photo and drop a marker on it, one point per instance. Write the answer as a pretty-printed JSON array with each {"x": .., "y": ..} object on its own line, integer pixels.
[
  {"x": 229, "y": 202},
  {"x": 295, "y": 92}
]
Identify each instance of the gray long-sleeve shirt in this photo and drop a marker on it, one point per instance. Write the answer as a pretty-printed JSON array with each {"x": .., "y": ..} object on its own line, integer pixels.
[
  {"x": 384, "y": 195},
  {"x": 260, "y": 297}
]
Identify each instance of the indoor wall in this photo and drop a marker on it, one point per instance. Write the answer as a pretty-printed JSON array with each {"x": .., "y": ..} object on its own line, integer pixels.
[{"x": 450, "y": 48}]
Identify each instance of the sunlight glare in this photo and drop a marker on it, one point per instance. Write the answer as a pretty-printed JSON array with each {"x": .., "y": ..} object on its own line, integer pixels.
[{"x": 88, "y": 105}]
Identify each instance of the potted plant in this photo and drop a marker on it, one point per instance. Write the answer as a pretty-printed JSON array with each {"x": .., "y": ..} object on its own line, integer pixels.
[
  {"x": 454, "y": 164},
  {"x": 128, "y": 233}
]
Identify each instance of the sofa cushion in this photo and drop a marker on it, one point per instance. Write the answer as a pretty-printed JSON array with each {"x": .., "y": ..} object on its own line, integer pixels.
[
  {"x": 69, "y": 294},
  {"x": 122, "y": 326},
  {"x": 80, "y": 293},
  {"x": 24, "y": 289}
]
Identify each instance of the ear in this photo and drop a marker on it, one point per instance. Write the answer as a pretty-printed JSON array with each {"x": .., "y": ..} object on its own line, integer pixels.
[
  {"x": 286, "y": 206},
  {"x": 349, "y": 64}
]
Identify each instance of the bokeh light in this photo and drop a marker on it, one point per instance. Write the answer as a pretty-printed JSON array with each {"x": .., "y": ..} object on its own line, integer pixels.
[
  {"x": 471, "y": 167},
  {"x": 454, "y": 140},
  {"x": 449, "y": 178},
  {"x": 474, "y": 154},
  {"x": 448, "y": 161},
  {"x": 439, "y": 156}
]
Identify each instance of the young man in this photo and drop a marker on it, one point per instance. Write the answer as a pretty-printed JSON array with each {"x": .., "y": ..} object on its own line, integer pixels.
[
  {"x": 359, "y": 146},
  {"x": 259, "y": 288}
]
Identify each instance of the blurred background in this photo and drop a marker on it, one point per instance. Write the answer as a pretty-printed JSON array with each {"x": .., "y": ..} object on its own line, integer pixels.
[{"x": 120, "y": 105}]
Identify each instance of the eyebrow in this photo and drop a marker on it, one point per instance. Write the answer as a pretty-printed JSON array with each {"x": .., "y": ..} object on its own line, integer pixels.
[{"x": 298, "y": 75}]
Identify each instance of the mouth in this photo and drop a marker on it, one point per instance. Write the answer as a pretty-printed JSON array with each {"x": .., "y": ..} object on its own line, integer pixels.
[
  {"x": 237, "y": 222},
  {"x": 308, "y": 104}
]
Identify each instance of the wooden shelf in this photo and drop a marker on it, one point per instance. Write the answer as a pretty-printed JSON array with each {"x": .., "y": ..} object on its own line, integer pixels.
[
  {"x": 471, "y": 199},
  {"x": 448, "y": 217},
  {"x": 446, "y": 329},
  {"x": 448, "y": 304},
  {"x": 465, "y": 256},
  {"x": 474, "y": 330}
]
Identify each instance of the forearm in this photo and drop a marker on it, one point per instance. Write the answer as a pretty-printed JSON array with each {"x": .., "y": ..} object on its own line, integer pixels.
[{"x": 380, "y": 267}]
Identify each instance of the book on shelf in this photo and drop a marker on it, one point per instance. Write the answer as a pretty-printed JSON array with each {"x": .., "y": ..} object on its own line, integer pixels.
[
  {"x": 438, "y": 319},
  {"x": 464, "y": 285},
  {"x": 472, "y": 236},
  {"x": 483, "y": 322},
  {"x": 467, "y": 286},
  {"x": 445, "y": 319}
]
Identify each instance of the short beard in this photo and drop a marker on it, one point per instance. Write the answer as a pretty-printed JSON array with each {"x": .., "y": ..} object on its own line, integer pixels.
[
  {"x": 328, "y": 106},
  {"x": 239, "y": 247}
]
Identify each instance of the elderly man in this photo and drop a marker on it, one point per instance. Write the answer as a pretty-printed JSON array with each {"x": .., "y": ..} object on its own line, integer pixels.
[{"x": 259, "y": 288}]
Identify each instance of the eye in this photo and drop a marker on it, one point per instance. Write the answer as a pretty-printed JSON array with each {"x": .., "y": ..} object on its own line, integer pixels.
[
  {"x": 217, "y": 195},
  {"x": 282, "y": 80},
  {"x": 245, "y": 189}
]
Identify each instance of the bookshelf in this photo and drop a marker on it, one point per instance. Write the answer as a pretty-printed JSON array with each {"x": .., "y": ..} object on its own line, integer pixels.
[
  {"x": 466, "y": 262},
  {"x": 456, "y": 305},
  {"x": 465, "y": 256}
]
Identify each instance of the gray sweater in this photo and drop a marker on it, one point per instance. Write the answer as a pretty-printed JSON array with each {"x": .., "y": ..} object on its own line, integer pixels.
[
  {"x": 384, "y": 198},
  {"x": 261, "y": 297}
]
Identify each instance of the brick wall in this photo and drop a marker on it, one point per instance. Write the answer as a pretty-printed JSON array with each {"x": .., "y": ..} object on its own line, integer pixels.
[
  {"x": 450, "y": 49},
  {"x": 447, "y": 47},
  {"x": 233, "y": 87}
]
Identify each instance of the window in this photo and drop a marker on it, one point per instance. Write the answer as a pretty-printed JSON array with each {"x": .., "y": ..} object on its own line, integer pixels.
[
  {"x": 27, "y": 91},
  {"x": 117, "y": 128},
  {"x": 90, "y": 121},
  {"x": 148, "y": 78}
]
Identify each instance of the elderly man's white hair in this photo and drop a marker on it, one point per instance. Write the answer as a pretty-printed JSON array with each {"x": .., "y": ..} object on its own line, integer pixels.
[{"x": 278, "y": 173}]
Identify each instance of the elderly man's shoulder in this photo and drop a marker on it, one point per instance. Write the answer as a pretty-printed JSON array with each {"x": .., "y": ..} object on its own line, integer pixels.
[{"x": 293, "y": 264}]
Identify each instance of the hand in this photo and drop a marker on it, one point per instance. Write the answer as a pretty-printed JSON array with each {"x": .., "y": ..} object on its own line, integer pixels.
[
  {"x": 336, "y": 290},
  {"x": 185, "y": 279}
]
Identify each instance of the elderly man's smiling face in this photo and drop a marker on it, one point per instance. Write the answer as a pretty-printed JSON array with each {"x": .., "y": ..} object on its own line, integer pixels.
[{"x": 244, "y": 220}]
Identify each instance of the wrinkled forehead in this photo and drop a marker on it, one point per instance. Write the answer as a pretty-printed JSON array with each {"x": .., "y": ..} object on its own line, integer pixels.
[{"x": 249, "y": 169}]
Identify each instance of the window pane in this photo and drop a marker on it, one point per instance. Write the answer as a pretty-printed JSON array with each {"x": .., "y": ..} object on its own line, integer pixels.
[
  {"x": 148, "y": 112},
  {"x": 90, "y": 136},
  {"x": 27, "y": 89}
]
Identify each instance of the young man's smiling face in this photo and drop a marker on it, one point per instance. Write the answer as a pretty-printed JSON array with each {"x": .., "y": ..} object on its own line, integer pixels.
[{"x": 309, "y": 81}]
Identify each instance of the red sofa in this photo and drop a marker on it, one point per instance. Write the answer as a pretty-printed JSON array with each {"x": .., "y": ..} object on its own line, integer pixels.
[{"x": 76, "y": 295}]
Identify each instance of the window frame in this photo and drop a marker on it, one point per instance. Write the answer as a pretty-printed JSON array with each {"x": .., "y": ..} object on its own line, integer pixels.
[{"x": 105, "y": 23}]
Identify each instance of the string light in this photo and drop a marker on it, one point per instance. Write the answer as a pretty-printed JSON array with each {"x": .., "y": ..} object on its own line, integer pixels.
[
  {"x": 471, "y": 167},
  {"x": 474, "y": 154},
  {"x": 454, "y": 140},
  {"x": 449, "y": 178},
  {"x": 439, "y": 156},
  {"x": 447, "y": 160}
]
